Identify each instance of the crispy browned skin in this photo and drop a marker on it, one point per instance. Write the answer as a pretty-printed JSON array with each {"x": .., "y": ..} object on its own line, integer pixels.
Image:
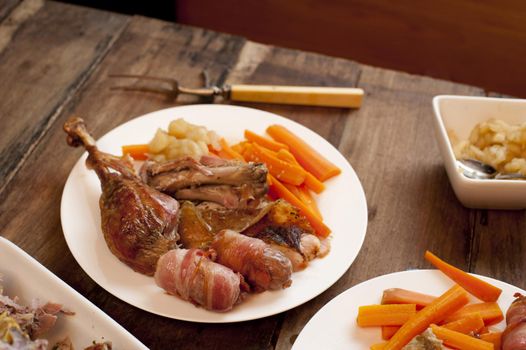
[
  {"x": 139, "y": 223},
  {"x": 514, "y": 336}
]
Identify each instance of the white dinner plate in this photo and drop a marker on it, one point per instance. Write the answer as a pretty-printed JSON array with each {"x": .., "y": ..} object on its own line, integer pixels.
[
  {"x": 26, "y": 278},
  {"x": 334, "y": 325},
  {"x": 342, "y": 204}
]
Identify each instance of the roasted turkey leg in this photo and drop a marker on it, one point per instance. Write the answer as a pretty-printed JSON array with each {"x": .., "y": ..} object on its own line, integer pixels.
[{"x": 139, "y": 223}]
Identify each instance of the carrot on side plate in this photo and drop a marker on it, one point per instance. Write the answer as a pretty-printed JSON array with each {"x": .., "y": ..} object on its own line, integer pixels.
[
  {"x": 404, "y": 296},
  {"x": 277, "y": 189},
  {"x": 378, "y": 346},
  {"x": 308, "y": 157},
  {"x": 389, "y": 331},
  {"x": 137, "y": 152},
  {"x": 446, "y": 304},
  {"x": 494, "y": 337},
  {"x": 471, "y": 324},
  {"x": 385, "y": 315},
  {"x": 460, "y": 341},
  {"x": 265, "y": 142},
  {"x": 475, "y": 286},
  {"x": 311, "y": 181},
  {"x": 491, "y": 313}
]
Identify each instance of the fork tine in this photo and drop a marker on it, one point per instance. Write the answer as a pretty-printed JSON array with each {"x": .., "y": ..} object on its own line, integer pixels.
[
  {"x": 167, "y": 92},
  {"x": 145, "y": 77}
]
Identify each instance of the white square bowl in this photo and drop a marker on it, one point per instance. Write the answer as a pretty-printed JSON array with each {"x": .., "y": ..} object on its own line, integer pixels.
[{"x": 461, "y": 114}]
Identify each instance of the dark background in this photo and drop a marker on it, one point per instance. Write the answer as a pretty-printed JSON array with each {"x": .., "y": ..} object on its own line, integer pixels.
[{"x": 481, "y": 43}]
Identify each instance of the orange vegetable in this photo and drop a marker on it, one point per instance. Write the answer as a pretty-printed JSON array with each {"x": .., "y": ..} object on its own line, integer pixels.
[
  {"x": 404, "y": 296},
  {"x": 265, "y": 142},
  {"x": 470, "y": 325},
  {"x": 305, "y": 198},
  {"x": 460, "y": 341},
  {"x": 495, "y": 338},
  {"x": 280, "y": 169},
  {"x": 379, "y": 346},
  {"x": 239, "y": 147},
  {"x": 309, "y": 158},
  {"x": 452, "y": 300},
  {"x": 385, "y": 315},
  {"x": 227, "y": 152},
  {"x": 311, "y": 181},
  {"x": 389, "y": 331},
  {"x": 490, "y": 313},
  {"x": 475, "y": 286},
  {"x": 137, "y": 152},
  {"x": 277, "y": 189}
]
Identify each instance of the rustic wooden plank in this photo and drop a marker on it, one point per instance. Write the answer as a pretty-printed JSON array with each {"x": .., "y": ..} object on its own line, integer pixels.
[
  {"x": 146, "y": 46},
  {"x": 261, "y": 64},
  {"x": 6, "y": 6},
  {"x": 18, "y": 16},
  {"x": 391, "y": 145},
  {"x": 52, "y": 55}
]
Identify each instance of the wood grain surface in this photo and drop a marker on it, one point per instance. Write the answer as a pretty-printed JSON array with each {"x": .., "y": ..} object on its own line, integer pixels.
[
  {"x": 389, "y": 142},
  {"x": 6, "y": 6}
]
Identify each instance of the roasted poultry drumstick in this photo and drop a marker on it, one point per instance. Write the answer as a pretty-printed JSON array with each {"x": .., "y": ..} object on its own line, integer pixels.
[{"x": 139, "y": 223}]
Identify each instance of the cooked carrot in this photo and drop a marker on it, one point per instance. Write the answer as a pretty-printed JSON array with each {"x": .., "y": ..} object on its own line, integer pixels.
[
  {"x": 495, "y": 338},
  {"x": 385, "y": 315},
  {"x": 265, "y": 142},
  {"x": 389, "y": 331},
  {"x": 460, "y": 341},
  {"x": 280, "y": 169},
  {"x": 309, "y": 158},
  {"x": 308, "y": 201},
  {"x": 404, "y": 296},
  {"x": 379, "y": 346},
  {"x": 228, "y": 152},
  {"x": 490, "y": 313},
  {"x": 239, "y": 147},
  {"x": 277, "y": 189},
  {"x": 306, "y": 197},
  {"x": 311, "y": 181},
  {"x": 137, "y": 152},
  {"x": 470, "y": 325},
  {"x": 452, "y": 300},
  {"x": 475, "y": 286}
]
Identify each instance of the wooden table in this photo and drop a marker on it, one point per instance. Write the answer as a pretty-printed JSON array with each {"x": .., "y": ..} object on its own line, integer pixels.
[{"x": 54, "y": 62}]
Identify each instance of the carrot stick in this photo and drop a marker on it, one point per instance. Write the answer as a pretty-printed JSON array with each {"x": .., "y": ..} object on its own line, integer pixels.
[
  {"x": 495, "y": 338},
  {"x": 311, "y": 181},
  {"x": 404, "y": 296},
  {"x": 440, "y": 308},
  {"x": 460, "y": 341},
  {"x": 475, "y": 286},
  {"x": 490, "y": 313},
  {"x": 265, "y": 142},
  {"x": 228, "y": 152},
  {"x": 309, "y": 158},
  {"x": 279, "y": 190},
  {"x": 469, "y": 325},
  {"x": 385, "y": 315},
  {"x": 137, "y": 152},
  {"x": 281, "y": 170},
  {"x": 309, "y": 202},
  {"x": 306, "y": 197},
  {"x": 378, "y": 346},
  {"x": 389, "y": 331}
]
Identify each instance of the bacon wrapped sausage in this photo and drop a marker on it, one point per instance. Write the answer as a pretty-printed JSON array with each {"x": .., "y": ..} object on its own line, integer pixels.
[
  {"x": 193, "y": 277},
  {"x": 262, "y": 266},
  {"x": 514, "y": 337}
]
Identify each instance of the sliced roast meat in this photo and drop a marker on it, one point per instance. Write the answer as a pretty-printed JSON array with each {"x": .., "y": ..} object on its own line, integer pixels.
[{"x": 229, "y": 183}]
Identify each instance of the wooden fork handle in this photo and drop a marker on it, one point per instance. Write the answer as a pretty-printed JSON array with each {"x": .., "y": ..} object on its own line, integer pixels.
[{"x": 298, "y": 95}]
